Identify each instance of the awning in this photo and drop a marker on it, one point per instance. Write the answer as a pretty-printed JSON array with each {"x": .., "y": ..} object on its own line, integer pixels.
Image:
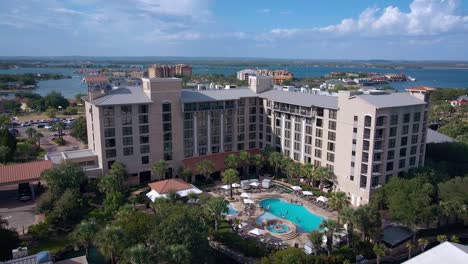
[
  {"x": 255, "y": 184},
  {"x": 226, "y": 187},
  {"x": 236, "y": 185},
  {"x": 257, "y": 232},
  {"x": 248, "y": 201},
  {"x": 308, "y": 193},
  {"x": 296, "y": 188},
  {"x": 322, "y": 199},
  {"x": 245, "y": 195},
  {"x": 153, "y": 195}
]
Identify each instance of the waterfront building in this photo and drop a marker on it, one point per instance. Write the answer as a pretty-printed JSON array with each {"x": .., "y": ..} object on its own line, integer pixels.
[
  {"x": 279, "y": 76},
  {"x": 165, "y": 71},
  {"x": 362, "y": 138}
]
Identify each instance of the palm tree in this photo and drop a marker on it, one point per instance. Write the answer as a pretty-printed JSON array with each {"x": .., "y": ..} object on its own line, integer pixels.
[
  {"x": 275, "y": 161},
  {"x": 214, "y": 208},
  {"x": 321, "y": 174},
  {"x": 316, "y": 238},
  {"x": 423, "y": 243},
  {"x": 60, "y": 126},
  {"x": 294, "y": 169},
  {"x": 380, "y": 251},
  {"x": 330, "y": 227},
  {"x": 83, "y": 234},
  {"x": 338, "y": 201},
  {"x": 4, "y": 152},
  {"x": 178, "y": 254},
  {"x": 285, "y": 161},
  {"x": 38, "y": 136},
  {"x": 138, "y": 254},
  {"x": 454, "y": 239},
  {"x": 159, "y": 168},
  {"x": 244, "y": 158},
  {"x": 230, "y": 176},
  {"x": 186, "y": 174},
  {"x": 308, "y": 171},
  {"x": 258, "y": 161},
  {"x": 30, "y": 132},
  {"x": 347, "y": 216},
  {"x": 410, "y": 247},
  {"x": 109, "y": 240},
  {"x": 441, "y": 238},
  {"x": 231, "y": 161},
  {"x": 205, "y": 168}
]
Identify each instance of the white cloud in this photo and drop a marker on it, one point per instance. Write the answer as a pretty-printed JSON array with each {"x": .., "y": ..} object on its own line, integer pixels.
[
  {"x": 264, "y": 11},
  {"x": 285, "y": 12}
]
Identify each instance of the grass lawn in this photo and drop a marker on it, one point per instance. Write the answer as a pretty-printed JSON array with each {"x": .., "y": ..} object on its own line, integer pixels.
[{"x": 52, "y": 244}]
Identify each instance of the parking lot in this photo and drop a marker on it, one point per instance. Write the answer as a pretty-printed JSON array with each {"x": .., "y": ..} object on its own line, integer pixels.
[{"x": 20, "y": 215}]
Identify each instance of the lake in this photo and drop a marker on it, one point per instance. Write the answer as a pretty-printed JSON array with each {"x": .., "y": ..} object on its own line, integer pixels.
[{"x": 439, "y": 78}]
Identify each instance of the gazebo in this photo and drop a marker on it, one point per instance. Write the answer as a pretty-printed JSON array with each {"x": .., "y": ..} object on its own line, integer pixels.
[{"x": 160, "y": 189}]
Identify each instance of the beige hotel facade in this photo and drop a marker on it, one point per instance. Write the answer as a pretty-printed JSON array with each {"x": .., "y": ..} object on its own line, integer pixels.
[{"x": 363, "y": 138}]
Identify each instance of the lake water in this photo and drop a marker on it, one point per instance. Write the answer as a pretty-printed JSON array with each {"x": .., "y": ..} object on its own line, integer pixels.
[{"x": 440, "y": 78}]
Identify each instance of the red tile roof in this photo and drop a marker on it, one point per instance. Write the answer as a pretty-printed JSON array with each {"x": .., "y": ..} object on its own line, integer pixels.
[
  {"x": 169, "y": 185},
  {"x": 420, "y": 88},
  {"x": 96, "y": 78},
  {"x": 23, "y": 172},
  {"x": 217, "y": 159}
]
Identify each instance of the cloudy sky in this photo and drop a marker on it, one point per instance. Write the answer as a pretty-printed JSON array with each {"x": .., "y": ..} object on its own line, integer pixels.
[{"x": 332, "y": 29}]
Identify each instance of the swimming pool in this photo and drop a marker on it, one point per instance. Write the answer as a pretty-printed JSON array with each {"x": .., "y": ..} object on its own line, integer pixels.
[
  {"x": 232, "y": 211},
  {"x": 298, "y": 214}
]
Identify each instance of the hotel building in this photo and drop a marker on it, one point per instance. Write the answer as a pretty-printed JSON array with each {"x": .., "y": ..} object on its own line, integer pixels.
[
  {"x": 364, "y": 139},
  {"x": 165, "y": 71}
]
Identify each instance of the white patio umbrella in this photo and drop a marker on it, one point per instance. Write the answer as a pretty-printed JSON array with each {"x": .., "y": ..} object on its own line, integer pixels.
[
  {"x": 248, "y": 201},
  {"x": 236, "y": 185},
  {"x": 254, "y": 184},
  {"x": 257, "y": 232},
  {"x": 322, "y": 199},
  {"x": 245, "y": 195},
  {"x": 308, "y": 193},
  {"x": 242, "y": 225},
  {"x": 296, "y": 188},
  {"x": 226, "y": 187}
]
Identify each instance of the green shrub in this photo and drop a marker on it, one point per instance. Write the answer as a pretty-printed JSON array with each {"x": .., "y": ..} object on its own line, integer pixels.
[{"x": 41, "y": 231}]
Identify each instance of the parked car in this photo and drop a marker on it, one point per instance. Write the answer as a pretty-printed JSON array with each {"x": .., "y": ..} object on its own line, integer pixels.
[
  {"x": 41, "y": 126},
  {"x": 24, "y": 192},
  {"x": 48, "y": 127},
  {"x": 25, "y": 124}
]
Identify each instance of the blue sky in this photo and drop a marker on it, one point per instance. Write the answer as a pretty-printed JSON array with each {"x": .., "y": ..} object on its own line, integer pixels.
[{"x": 332, "y": 29}]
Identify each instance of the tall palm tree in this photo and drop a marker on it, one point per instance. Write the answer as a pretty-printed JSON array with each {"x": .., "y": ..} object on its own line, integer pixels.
[
  {"x": 186, "y": 174},
  {"x": 214, "y": 209},
  {"x": 244, "y": 159},
  {"x": 259, "y": 162},
  {"x": 316, "y": 238},
  {"x": 294, "y": 169},
  {"x": 178, "y": 254},
  {"x": 37, "y": 137},
  {"x": 423, "y": 244},
  {"x": 275, "y": 159},
  {"x": 159, "y": 168},
  {"x": 230, "y": 176},
  {"x": 330, "y": 227},
  {"x": 83, "y": 234},
  {"x": 308, "y": 171},
  {"x": 347, "y": 216},
  {"x": 285, "y": 161},
  {"x": 441, "y": 238},
  {"x": 30, "y": 132},
  {"x": 338, "y": 201},
  {"x": 138, "y": 254},
  {"x": 109, "y": 240},
  {"x": 60, "y": 126},
  {"x": 410, "y": 247},
  {"x": 380, "y": 251},
  {"x": 231, "y": 161},
  {"x": 321, "y": 174},
  {"x": 4, "y": 152},
  {"x": 205, "y": 168}
]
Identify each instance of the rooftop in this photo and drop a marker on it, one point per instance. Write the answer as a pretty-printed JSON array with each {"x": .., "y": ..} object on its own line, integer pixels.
[
  {"x": 170, "y": 185},
  {"x": 301, "y": 99},
  {"x": 123, "y": 95},
  {"x": 387, "y": 100},
  {"x": 217, "y": 159},
  {"x": 420, "y": 88},
  {"x": 23, "y": 172},
  {"x": 95, "y": 79},
  {"x": 216, "y": 95},
  {"x": 73, "y": 154},
  {"x": 436, "y": 137},
  {"x": 446, "y": 252}
]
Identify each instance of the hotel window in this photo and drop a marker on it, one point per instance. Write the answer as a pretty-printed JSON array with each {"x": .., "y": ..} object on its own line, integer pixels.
[
  {"x": 401, "y": 163},
  {"x": 167, "y": 127},
  {"x": 390, "y": 154},
  {"x": 128, "y": 151},
  {"x": 108, "y": 111},
  {"x": 318, "y": 132},
  {"x": 111, "y": 153},
  {"x": 389, "y": 166},
  {"x": 331, "y": 146},
  {"x": 414, "y": 139},
  {"x": 403, "y": 152},
  {"x": 127, "y": 141},
  {"x": 253, "y": 127},
  {"x": 415, "y": 128},
  {"x": 308, "y": 149},
  {"x": 253, "y": 110},
  {"x": 318, "y": 143},
  {"x": 405, "y": 130},
  {"x": 297, "y": 136},
  {"x": 143, "y": 119},
  {"x": 144, "y": 139},
  {"x": 355, "y": 130},
  {"x": 109, "y": 121},
  {"x": 391, "y": 143},
  {"x": 144, "y": 149},
  {"x": 392, "y": 131},
  {"x": 166, "y": 107},
  {"x": 287, "y": 134},
  {"x": 412, "y": 161},
  {"x": 126, "y": 131},
  {"x": 240, "y": 137},
  {"x": 356, "y": 118},
  {"x": 363, "y": 182},
  {"x": 319, "y": 111},
  {"x": 374, "y": 181},
  {"x": 413, "y": 150},
  {"x": 332, "y": 114},
  {"x": 330, "y": 157},
  {"x": 364, "y": 168},
  {"x": 252, "y": 145},
  {"x": 394, "y": 120},
  {"x": 240, "y": 146},
  {"x": 144, "y": 160},
  {"x": 332, "y": 125},
  {"x": 166, "y": 117},
  {"x": 308, "y": 140},
  {"x": 367, "y": 121},
  {"x": 126, "y": 120},
  {"x": 287, "y": 124},
  {"x": 296, "y": 156},
  {"x": 331, "y": 135},
  {"x": 353, "y": 164},
  {"x": 308, "y": 130},
  {"x": 110, "y": 142},
  {"x": 404, "y": 141},
  {"x": 252, "y": 135},
  {"x": 287, "y": 142},
  {"x": 143, "y": 109},
  {"x": 167, "y": 136},
  {"x": 297, "y": 146},
  {"x": 109, "y": 132},
  {"x": 406, "y": 118},
  {"x": 330, "y": 168},
  {"x": 318, "y": 153},
  {"x": 380, "y": 121},
  {"x": 317, "y": 163},
  {"x": 417, "y": 116},
  {"x": 144, "y": 129},
  {"x": 319, "y": 122}
]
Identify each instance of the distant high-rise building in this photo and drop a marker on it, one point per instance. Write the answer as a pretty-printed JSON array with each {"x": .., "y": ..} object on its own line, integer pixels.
[
  {"x": 279, "y": 76},
  {"x": 165, "y": 71}
]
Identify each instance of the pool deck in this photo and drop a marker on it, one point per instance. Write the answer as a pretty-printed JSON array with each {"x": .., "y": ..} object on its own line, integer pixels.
[{"x": 250, "y": 219}]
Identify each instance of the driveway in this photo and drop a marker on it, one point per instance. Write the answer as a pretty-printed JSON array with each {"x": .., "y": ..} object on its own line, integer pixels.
[{"x": 20, "y": 215}]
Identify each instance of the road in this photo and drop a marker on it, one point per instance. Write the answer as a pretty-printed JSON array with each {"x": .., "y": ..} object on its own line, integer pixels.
[{"x": 18, "y": 214}]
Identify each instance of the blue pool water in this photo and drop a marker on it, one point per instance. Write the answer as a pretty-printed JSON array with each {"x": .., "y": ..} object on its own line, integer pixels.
[
  {"x": 278, "y": 228},
  {"x": 298, "y": 214},
  {"x": 232, "y": 211}
]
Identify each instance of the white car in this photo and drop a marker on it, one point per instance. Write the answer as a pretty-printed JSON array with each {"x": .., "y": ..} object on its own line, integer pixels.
[{"x": 48, "y": 127}]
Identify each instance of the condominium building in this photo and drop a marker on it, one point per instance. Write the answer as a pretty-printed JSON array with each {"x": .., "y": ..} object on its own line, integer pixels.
[
  {"x": 165, "y": 71},
  {"x": 364, "y": 139},
  {"x": 279, "y": 76}
]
